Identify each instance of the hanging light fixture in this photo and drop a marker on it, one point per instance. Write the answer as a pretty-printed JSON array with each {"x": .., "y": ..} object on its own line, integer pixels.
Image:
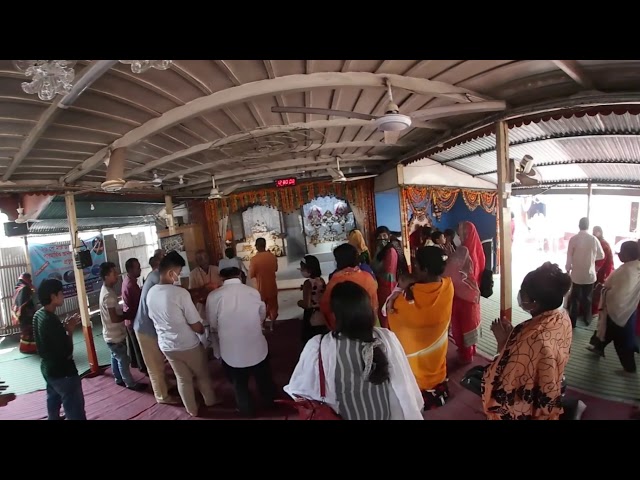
[
  {"x": 48, "y": 77},
  {"x": 140, "y": 66}
]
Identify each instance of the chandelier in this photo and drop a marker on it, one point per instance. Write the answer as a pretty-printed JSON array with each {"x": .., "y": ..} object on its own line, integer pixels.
[
  {"x": 140, "y": 66},
  {"x": 48, "y": 77}
]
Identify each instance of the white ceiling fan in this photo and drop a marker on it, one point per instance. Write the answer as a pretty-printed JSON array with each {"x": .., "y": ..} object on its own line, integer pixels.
[
  {"x": 115, "y": 162},
  {"x": 216, "y": 194},
  {"x": 339, "y": 176},
  {"x": 22, "y": 218},
  {"x": 392, "y": 122}
]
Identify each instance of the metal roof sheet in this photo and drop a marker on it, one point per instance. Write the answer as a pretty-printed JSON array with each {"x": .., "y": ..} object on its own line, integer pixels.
[{"x": 53, "y": 226}]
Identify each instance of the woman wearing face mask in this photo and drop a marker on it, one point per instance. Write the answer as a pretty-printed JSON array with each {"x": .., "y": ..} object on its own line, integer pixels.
[
  {"x": 465, "y": 268},
  {"x": 178, "y": 323},
  {"x": 385, "y": 266},
  {"x": 524, "y": 381},
  {"x": 313, "y": 322}
]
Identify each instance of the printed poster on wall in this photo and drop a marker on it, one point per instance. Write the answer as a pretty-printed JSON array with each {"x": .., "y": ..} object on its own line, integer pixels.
[
  {"x": 55, "y": 261},
  {"x": 172, "y": 243}
]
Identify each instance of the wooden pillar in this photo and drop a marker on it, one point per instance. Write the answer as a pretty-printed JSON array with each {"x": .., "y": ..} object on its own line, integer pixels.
[
  {"x": 26, "y": 253},
  {"x": 504, "y": 218},
  {"x": 81, "y": 289},
  {"x": 589, "y": 193},
  {"x": 404, "y": 223},
  {"x": 168, "y": 202}
]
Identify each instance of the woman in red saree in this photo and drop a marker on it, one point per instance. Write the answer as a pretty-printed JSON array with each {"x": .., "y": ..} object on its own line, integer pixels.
[
  {"x": 385, "y": 266},
  {"x": 465, "y": 269},
  {"x": 22, "y": 312},
  {"x": 604, "y": 268}
]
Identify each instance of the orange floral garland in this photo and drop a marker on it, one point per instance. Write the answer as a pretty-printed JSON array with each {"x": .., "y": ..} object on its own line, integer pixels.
[{"x": 287, "y": 200}]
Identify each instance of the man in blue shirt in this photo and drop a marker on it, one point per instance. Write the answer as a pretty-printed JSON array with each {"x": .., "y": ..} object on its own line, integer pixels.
[{"x": 148, "y": 340}]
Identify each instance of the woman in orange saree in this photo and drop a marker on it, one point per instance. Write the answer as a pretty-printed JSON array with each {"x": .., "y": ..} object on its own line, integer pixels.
[
  {"x": 420, "y": 319},
  {"x": 465, "y": 269}
]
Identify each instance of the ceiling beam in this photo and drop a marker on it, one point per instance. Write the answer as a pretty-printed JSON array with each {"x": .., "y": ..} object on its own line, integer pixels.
[
  {"x": 47, "y": 119},
  {"x": 257, "y": 133},
  {"x": 261, "y": 88},
  {"x": 311, "y": 174},
  {"x": 41, "y": 186},
  {"x": 303, "y": 163},
  {"x": 575, "y": 72},
  {"x": 302, "y": 149}
]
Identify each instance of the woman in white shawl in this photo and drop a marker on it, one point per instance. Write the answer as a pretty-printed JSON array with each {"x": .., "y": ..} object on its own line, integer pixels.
[
  {"x": 618, "y": 309},
  {"x": 367, "y": 373}
]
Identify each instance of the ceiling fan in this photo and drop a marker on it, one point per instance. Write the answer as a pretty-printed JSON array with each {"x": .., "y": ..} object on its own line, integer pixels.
[
  {"x": 392, "y": 122},
  {"x": 114, "y": 182},
  {"x": 22, "y": 218},
  {"x": 216, "y": 194},
  {"x": 339, "y": 176}
]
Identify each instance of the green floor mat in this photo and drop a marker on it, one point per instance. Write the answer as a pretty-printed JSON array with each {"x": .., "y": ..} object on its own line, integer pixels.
[{"x": 22, "y": 372}]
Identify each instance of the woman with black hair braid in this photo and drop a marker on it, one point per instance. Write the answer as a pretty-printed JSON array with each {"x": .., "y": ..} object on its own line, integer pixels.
[
  {"x": 420, "y": 318},
  {"x": 366, "y": 374}
]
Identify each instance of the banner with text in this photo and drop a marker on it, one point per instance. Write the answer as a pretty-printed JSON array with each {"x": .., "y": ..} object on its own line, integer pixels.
[{"x": 55, "y": 261}]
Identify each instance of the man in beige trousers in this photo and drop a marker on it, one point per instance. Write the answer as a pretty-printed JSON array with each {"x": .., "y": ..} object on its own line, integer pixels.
[{"x": 178, "y": 324}]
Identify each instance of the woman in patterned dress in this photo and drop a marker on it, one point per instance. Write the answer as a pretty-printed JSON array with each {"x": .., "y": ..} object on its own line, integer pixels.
[
  {"x": 524, "y": 381},
  {"x": 313, "y": 322},
  {"x": 22, "y": 311}
]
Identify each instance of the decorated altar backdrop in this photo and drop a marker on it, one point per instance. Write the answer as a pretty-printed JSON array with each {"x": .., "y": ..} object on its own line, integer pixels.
[
  {"x": 260, "y": 221},
  {"x": 326, "y": 220},
  {"x": 291, "y": 199},
  {"x": 445, "y": 207}
]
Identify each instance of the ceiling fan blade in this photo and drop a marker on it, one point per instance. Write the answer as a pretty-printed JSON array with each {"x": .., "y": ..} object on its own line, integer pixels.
[
  {"x": 391, "y": 138},
  {"x": 362, "y": 177},
  {"x": 138, "y": 184},
  {"x": 324, "y": 111},
  {"x": 230, "y": 189},
  {"x": 458, "y": 109}
]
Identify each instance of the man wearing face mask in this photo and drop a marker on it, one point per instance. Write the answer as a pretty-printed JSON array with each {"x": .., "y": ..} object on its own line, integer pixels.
[
  {"x": 178, "y": 323},
  {"x": 148, "y": 340}
]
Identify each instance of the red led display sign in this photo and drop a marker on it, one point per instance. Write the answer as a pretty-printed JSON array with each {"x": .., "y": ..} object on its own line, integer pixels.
[{"x": 286, "y": 182}]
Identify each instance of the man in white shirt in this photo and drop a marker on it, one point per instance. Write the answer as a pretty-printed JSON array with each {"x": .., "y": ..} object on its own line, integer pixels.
[
  {"x": 114, "y": 331},
  {"x": 237, "y": 312},
  {"x": 621, "y": 297},
  {"x": 177, "y": 324},
  {"x": 583, "y": 252}
]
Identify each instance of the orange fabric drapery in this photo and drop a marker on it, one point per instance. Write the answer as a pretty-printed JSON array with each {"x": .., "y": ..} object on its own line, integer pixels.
[
  {"x": 442, "y": 199},
  {"x": 209, "y": 212}
]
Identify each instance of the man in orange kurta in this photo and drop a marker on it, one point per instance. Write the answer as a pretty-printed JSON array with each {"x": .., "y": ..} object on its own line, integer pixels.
[{"x": 263, "y": 268}]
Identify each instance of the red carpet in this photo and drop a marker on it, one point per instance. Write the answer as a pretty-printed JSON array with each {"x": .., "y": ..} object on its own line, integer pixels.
[{"x": 106, "y": 401}]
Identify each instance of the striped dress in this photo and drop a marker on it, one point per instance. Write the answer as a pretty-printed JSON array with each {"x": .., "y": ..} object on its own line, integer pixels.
[{"x": 358, "y": 399}]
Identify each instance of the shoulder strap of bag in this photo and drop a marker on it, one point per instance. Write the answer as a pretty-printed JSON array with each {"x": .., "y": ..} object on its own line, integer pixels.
[{"x": 323, "y": 387}]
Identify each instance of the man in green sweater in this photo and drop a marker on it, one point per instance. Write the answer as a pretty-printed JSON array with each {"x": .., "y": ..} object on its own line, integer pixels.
[{"x": 54, "y": 340}]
